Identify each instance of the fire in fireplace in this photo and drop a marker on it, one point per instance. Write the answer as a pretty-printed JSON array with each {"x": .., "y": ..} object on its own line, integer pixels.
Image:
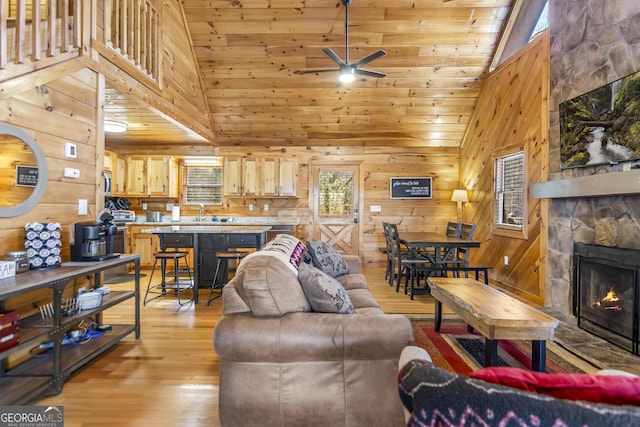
[{"x": 606, "y": 291}]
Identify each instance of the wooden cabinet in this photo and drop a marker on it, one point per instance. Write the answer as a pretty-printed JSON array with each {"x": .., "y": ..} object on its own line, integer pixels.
[
  {"x": 144, "y": 244},
  {"x": 241, "y": 177},
  {"x": 117, "y": 165},
  {"x": 260, "y": 177},
  {"x": 270, "y": 177},
  {"x": 152, "y": 176},
  {"x": 136, "y": 176},
  {"x": 108, "y": 161},
  {"x": 287, "y": 177},
  {"x": 119, "y": 175}
]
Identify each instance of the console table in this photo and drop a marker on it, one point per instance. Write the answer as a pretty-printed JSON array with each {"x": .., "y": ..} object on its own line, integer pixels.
[{"x": 47, "y": 373}]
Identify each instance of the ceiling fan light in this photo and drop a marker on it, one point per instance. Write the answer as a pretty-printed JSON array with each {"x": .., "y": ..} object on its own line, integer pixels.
[
  {"x": 113, "y": 126},
  {"x": 347, "y": 76}
]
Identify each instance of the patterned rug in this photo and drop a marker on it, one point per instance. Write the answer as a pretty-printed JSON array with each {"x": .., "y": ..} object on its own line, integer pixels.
[{"x": 456, "y": 350}]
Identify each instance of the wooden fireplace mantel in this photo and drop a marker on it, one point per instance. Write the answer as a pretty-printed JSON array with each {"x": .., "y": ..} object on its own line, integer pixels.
[{"x": 606, "y": 184}]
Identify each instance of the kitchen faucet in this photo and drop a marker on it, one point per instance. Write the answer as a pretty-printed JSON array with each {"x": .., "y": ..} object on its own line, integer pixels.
[{"x": 200, "y": 218}]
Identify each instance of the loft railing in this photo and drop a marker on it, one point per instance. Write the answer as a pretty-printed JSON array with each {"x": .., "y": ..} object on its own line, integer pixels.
[
  {"x": 132, "y": 29},
  {"x": 37, "y": 33}
]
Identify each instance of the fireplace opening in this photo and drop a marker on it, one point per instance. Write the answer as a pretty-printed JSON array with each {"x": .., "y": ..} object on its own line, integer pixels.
[{"x": 605, "y": 289}]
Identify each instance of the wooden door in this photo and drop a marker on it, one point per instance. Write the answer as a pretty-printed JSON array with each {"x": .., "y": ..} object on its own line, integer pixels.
[
  {"x": 136, "y": 176},
  {"x": 287, "y": 177},
  {"x": 144, "y": 244},
  {"x": 335, "y": 201},
  {"x": 251, "y": 177},
  {"x": 232, "y": 176},
  {"x": 270, "y": 176},
  {"x": 119, "y": 175},
  {"x": 158, "y": 176}
]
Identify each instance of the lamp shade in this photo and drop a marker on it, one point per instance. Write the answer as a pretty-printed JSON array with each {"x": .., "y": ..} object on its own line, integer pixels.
[{"x": 459, "y": 196}]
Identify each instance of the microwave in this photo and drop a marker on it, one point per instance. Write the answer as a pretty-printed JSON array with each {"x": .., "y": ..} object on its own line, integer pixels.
[{"x": 108, "y": 190}]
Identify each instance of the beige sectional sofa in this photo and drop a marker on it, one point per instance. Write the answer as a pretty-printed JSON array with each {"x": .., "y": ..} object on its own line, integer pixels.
[{"x": 283, "y": 364}]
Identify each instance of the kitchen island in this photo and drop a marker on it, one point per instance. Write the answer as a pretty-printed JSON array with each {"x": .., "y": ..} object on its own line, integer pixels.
[{"x": 206, "y": 240}]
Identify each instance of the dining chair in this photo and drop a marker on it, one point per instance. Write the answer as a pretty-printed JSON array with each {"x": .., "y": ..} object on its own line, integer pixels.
[
  {"x": 387, "y": 250},
  {"x": 404, "y": 259},
  {"x": 390, "y": 231},
  {"x": 462, "y": 255},
  {"x": 453, "y": 229}
]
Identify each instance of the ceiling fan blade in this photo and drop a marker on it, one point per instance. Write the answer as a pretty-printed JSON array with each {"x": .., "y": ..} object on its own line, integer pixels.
[
  {"x": 369, "y": 58},
  {"x": 319, "y": 71},
  {"x": 369, "y": 73},
  {"x": 331, "y": 54}
]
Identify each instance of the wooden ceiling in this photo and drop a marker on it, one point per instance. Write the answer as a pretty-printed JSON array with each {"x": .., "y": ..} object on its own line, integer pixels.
[{"x": 251, "y": 52}]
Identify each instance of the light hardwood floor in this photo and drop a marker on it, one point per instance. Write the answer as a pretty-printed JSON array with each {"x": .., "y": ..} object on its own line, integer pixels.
[{"x": 169, "y": 377}]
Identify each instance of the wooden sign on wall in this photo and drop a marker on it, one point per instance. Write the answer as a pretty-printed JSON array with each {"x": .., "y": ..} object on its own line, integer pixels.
[{"x": 410, "y": 188}]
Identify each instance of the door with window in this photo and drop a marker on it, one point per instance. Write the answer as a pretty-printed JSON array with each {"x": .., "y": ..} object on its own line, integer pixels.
[{"x": 335, "y": 201}]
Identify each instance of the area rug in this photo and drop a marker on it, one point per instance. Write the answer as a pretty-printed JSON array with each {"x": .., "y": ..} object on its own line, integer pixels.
[{"x": 456, "y": 350}]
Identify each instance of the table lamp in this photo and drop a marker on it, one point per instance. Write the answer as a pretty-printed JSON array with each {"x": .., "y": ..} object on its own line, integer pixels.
[{"x": 459, "y": 196}]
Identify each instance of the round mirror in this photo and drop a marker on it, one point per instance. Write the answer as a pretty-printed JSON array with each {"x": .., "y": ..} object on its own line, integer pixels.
[{"x": 23, "y": 171}]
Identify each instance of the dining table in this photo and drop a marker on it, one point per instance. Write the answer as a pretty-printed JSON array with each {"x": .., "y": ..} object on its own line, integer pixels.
[{"x": 436, "y": 247}]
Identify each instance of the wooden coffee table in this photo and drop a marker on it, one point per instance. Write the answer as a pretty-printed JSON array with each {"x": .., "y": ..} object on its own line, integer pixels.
[{"x": 495, "y": 315}]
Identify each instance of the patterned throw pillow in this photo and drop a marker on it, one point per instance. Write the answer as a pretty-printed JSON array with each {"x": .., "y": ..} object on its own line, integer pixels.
[
  {"x": 436, "y": 397},
  {"x": 327, "y": 258},
  {"x": 324, "y": 293}
]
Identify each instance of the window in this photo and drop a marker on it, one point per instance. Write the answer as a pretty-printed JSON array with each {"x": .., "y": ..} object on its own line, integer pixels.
[
  {"x": 202, "y": 182},
  {"x": 336, "y": 193},
  {"x": 509, "y": 209},
  {"x": 528, "y": 19}
]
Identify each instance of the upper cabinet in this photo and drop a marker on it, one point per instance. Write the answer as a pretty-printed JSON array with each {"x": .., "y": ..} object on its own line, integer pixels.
[
  {"x": 287, "y": 177},
  {"x": 117, "y": 165},
  {"x": 119, "y": 175},
  {"x": 259, "y": 177},
  {"x": 152, "y": 176}
]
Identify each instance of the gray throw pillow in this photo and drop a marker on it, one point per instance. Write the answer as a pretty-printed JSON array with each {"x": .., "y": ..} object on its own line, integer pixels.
[
  {"x": 324, "y": 293},
  {"x": 327, "y": 258}
]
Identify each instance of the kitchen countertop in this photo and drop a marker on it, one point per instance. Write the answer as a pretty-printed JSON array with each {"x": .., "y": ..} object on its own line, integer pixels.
[
  {"x": 235, "y": 228},
  {"x": 208, "y": 221}
]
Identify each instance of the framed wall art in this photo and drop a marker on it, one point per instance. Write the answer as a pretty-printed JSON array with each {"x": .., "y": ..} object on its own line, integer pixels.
[{"x": 602, "y": 126}]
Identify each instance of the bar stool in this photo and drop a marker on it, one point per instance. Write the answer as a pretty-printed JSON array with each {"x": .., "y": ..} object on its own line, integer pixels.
[
  {"x": 165, "y": 288},
  {"x": 223, "y": 256}
]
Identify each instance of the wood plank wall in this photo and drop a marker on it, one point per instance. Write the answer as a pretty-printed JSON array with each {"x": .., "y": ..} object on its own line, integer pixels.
[
  {"x": 180, "y": 96},
  {"x": 60, "y": 111},
  {"x": 378, "y": 165},
  {"x": 513, "y": 109}
]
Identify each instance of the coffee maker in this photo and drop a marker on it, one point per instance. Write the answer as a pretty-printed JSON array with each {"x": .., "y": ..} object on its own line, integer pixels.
[{"x": 93, "y": 241}]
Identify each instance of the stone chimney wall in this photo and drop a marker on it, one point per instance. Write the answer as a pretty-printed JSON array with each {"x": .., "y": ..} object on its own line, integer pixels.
[{"x": 593, "y": 42}]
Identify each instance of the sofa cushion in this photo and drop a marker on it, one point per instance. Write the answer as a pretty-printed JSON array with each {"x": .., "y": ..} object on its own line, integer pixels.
[
  {"x": 618, "y": 390},
  {"x": 434, "y": 396},
  {"x": 324, "y": 293},
  {"x": 362, "y": 298},
  {"x": 269, "y": 286},
  {"x": 327, "y": 258}
]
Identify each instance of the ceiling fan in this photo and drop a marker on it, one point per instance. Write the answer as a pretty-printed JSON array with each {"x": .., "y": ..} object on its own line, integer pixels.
[{"x": 347, "y": 69}]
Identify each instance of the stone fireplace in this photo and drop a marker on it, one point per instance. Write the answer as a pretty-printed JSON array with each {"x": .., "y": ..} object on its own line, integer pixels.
[{"x": 605, "y": 288}]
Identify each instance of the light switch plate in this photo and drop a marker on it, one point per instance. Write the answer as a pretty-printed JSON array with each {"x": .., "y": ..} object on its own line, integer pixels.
[
  {"x": 83, "y": 208},
  {"x": 70, "y": 151}
]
